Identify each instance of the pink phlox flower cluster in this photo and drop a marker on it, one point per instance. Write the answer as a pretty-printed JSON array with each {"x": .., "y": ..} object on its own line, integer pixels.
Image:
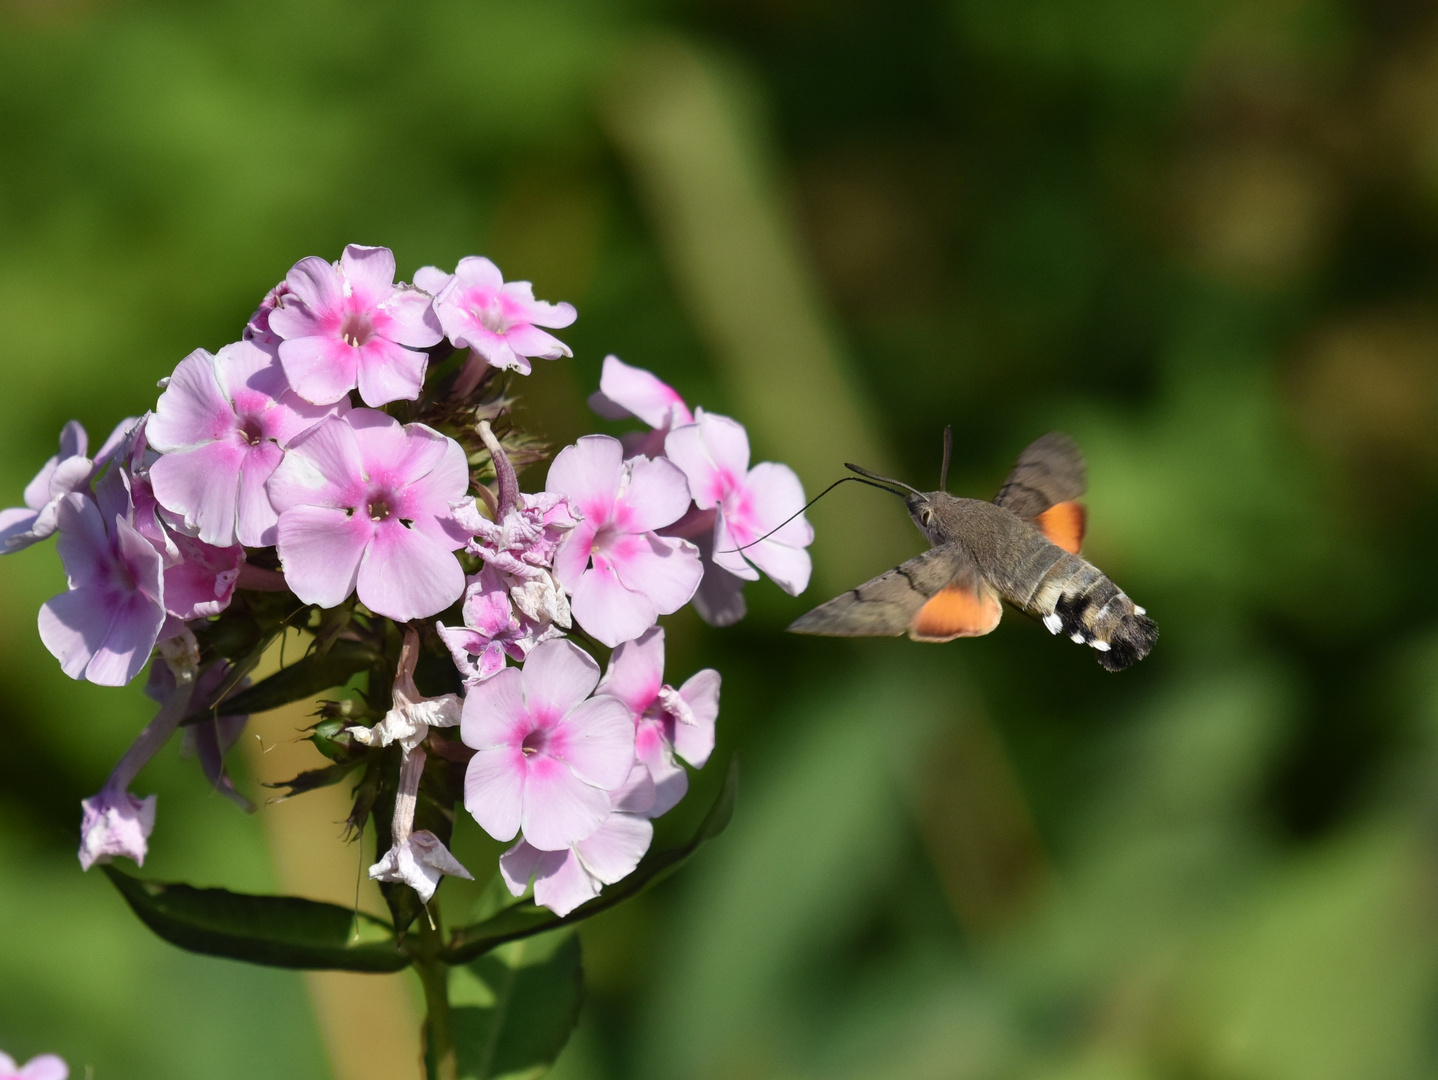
[
  {"x": 733, "y": 505},
  {"x": 499, "y": 320},
  {"x": 43, "y": 1067},
  {"x": 566, "y": 878},
  {"x": 347, "y": 325},
  {"x": 547, "y": 754},
  {"x": 621, "y": 575},
  {"x": 666, "y": 720},
  {"x": 365, "y": 505},
  {"x": 494, "y": 627},
  {"x": 222, "y": 426}
]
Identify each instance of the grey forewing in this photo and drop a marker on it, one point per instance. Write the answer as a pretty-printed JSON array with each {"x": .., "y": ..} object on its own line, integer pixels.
[
  {"x": 884, "y": 606},
  {"x": 1050, "y": 470}
]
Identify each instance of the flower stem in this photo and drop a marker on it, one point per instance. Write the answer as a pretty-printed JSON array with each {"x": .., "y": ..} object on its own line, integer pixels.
[{"x": 439, "y": 1056}]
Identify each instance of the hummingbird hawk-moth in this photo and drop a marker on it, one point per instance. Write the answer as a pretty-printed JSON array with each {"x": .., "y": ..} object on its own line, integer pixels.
[{"x": 1021, "y": 548}]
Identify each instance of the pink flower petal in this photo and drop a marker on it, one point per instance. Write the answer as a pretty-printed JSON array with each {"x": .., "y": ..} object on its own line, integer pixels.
[
  {"x": 558, "y": 675},
  {"x": 387, "y": 371},
  {"x": 658, "y": 494},
  {"x": 323, "y": 467},
  {"x": 432, "y": 279},
  {"x": 637, "y": 392},
  {"x": 667, "y": 570},
  {"x": 671, "y": 782},
  {"x": 494, "y": 788},
  {"x": 412, "y": 320},
  {"x": 320, "y": 549},
  {"x": 572, "y": 557},
  {"x": 255, "y": 524},
  {"x": 525, "y": 861},
  {"x": 493, "y": 710},
  {"x": 48, "y": 1066},
  {"x": 404, "y": 574},
  {"x": 317, "y": 287},
  {"x": 532, "y": 341},
  {"x": 559, "y": 808},
  {"x": 589, "y": 472},
  {"x": 777, "y": 494},
  {"x": 204, "y": 483},
  {"x": 695, "y": 742},
  {"x": 320, "y": 369},
  {"x": 607, "y": 610},
  {"x": 193, "y": 409},
  {"x": 636, "y": 670},
  {"x": 599, "y": 741},
  {"x": 476, "y": 270},
  {"x": 616, "y": 847},
  {"x": 371, "y": 268},
  {"x": 566, "y": 886}
]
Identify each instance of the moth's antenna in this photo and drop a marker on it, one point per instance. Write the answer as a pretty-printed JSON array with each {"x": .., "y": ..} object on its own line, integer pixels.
[
  {"x": 811, "y": 502},
  {"x": 948, "y": 452},
  {"x": 883, "y": 479}
]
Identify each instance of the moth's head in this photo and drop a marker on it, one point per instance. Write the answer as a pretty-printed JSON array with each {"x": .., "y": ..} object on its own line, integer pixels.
[{"x": 927, "y": 510}]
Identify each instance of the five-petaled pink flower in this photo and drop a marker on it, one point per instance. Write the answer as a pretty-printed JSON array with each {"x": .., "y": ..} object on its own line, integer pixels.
[
  {"x": 44, "y": 1067},
  {"x": 347, "y": 324},
  {"x": 619, "y": 574},
  {"x": 714, "y": 454},
  {"x": 565, "y": 879},
  {"x": 665, "y": 719},
  {"x": 548, "y": 754},
  {"x": 104, "y": 627},
  {"x": 498, "y": 320},
  {"x": 222, "y": 425},
  {"x": 366, "y": 504}
]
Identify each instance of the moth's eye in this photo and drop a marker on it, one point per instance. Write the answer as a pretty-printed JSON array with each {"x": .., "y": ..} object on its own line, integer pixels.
[{"x": 927, "y": 517}]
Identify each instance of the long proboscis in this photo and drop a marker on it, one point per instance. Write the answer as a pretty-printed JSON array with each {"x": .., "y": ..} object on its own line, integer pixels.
[{"x": 811, "y": 502}]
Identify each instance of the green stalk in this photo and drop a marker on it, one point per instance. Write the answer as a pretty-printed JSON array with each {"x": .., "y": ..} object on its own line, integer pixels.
[{"x": 437, "y": 1035}]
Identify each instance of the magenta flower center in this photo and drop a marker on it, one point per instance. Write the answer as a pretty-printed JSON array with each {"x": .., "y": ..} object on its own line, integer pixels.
[
  {"x": 489, "y": 313},
  {"x": 379, "y": 507},
  {"x": 251, "y": 430},
  {"x": 357, "y": 329}
]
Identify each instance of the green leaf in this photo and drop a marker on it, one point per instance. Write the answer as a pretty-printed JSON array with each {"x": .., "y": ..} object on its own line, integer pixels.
[
  {"x": 306, "y": 677},
  {"x": 513, "y": 1009},
  {"x": 526, "y": 918},
  {"x": 279, "y": 931}
]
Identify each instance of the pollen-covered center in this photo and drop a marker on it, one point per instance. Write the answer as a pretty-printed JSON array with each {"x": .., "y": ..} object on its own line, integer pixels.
[
  {"x": 378, "y": 507},
  {"x": 357, "y": 329}
]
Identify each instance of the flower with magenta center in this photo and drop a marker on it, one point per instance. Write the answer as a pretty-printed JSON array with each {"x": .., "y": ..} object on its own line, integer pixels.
[
  {"x": 749, "y": 503},
  {"x": 499, "y": 320},
  {"x": 365, "y": 505},
  {"x": 620, "y": 575},
  {"x": 547, "y": 754},
  {"x": 104, "y": 627},
  {"x": 221, "y": 426},
  {"x": 347, "y": 324},
  {"x": 665, "y": 719}
]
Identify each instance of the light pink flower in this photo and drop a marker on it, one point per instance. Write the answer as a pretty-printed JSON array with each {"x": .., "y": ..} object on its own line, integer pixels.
[
  {"x": 365, "y": 503},
  {"x": 44, "y": 1067},
  {"x": 67, "y": 471},
  {"x": 412, "y": 714},
  {"x": 222, "y": 425},
  {"x": 258, "y": 328},
  {"x": 714, "y": 454},
  {"x": 419, "y": 861},
  {"x": 104, "y": 627},
  {"x": 620, "y": 575},
  {"x": 548, "y": 755},
  {"x": 665, "y": 719},
  {"x": 630, "y": 391},
  {"x": 492, "y": 630},
  {"x": 565, "y": 879},
  {"x": 500, "y": 321},
  {"x": 347, "y": 324}
]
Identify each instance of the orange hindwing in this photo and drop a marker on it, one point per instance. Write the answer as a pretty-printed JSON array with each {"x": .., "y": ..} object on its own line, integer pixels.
[
  {"x": 1063, "y": 524},
  {"x": 956, "y": 611}
]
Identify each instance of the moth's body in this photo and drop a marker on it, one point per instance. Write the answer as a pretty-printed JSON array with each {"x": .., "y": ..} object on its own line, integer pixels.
[{"x": 984, "y": 553}]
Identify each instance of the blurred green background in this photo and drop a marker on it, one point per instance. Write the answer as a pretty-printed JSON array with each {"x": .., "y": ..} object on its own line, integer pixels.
[{"x": 1199, "y": 235}]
